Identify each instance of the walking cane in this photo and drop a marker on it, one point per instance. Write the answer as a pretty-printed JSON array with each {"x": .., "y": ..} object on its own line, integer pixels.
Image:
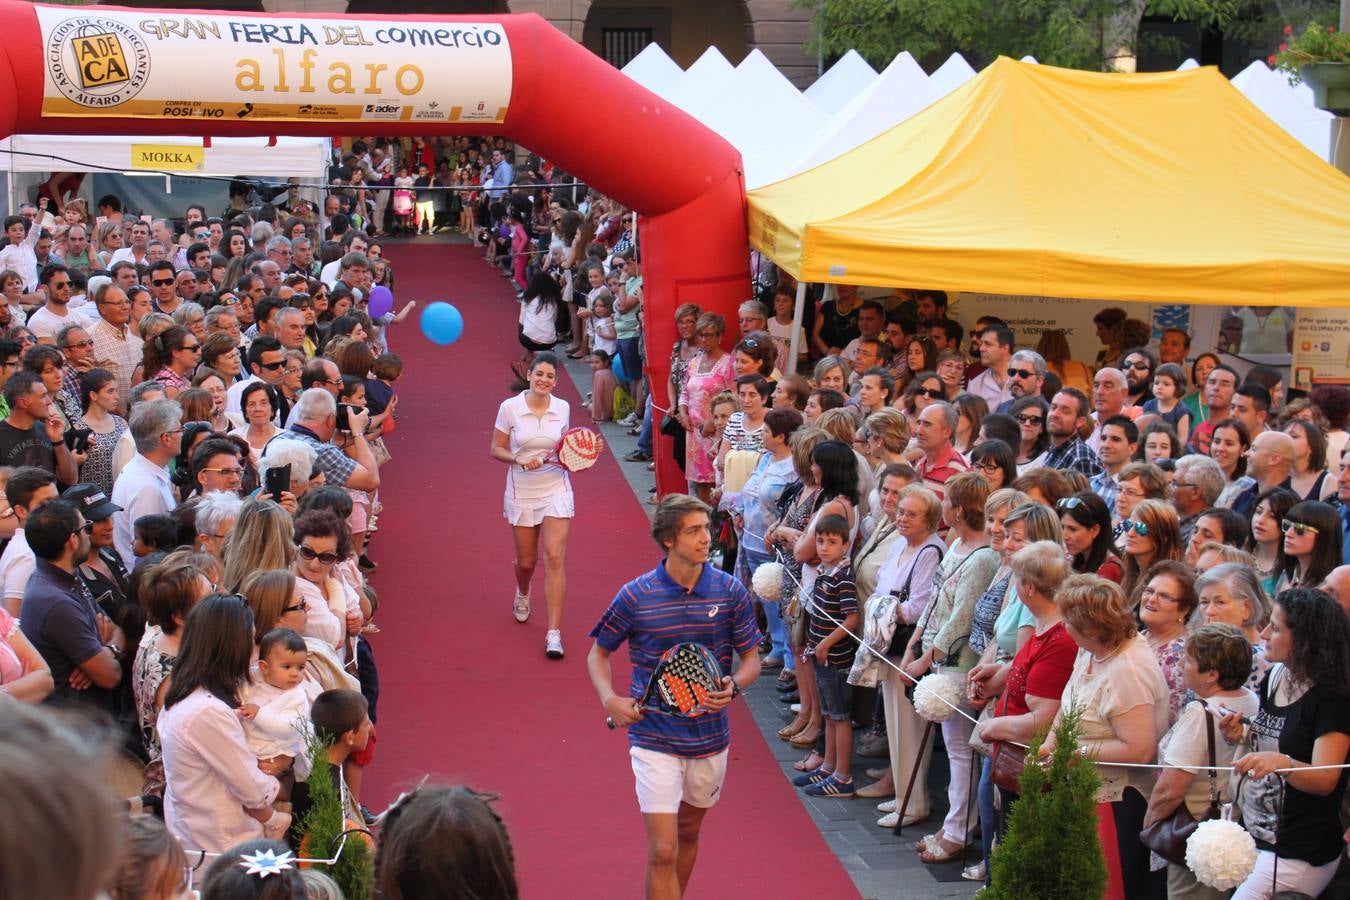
[{"x": 913, "y": 776}]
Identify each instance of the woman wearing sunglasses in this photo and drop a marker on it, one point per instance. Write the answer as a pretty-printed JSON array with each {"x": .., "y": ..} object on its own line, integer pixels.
[
  {"x": 171, "y": 357},
  {"x": 1312, "y": 544},
  {"x": 1267, "y": 537},
  {"x": 1152, "y": 534},
  {"x": 1030, "y": 413},
  {"x": 924, "y": 389},
  {"x": 332, "y": 608},
  {"x": 1088, "y": 537}
]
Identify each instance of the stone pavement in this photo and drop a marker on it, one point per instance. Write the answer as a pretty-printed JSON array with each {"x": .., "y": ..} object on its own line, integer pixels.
[{"x": 882, "y": 866}]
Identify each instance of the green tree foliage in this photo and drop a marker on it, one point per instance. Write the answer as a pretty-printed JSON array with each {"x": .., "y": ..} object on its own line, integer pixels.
[
  {"x": 1051, "y": 848},
  {"x": 1080, "y": 34},
  {"x": 323, "y": 827}
]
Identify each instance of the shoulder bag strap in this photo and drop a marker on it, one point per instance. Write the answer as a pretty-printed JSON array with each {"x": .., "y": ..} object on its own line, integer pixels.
[{"x": 1210, "y": 725}]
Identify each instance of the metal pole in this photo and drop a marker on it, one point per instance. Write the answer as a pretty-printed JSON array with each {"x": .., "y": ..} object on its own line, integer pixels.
[{"x": 793, "y": 346}]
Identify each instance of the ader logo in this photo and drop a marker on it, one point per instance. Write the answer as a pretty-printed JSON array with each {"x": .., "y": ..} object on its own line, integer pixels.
[
  {"x": 97, "y": 62},
  {"x": 382, "y": 110}
]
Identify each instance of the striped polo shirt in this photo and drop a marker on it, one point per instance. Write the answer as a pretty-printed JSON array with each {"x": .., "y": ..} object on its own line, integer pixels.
[{"x": 653, "y": 613}]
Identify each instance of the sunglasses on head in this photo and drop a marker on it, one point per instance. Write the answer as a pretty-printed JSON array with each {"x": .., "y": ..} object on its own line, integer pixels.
[
  {"x": 1298, "y": 528},
  {"x": 309, "y": 553},
  {"x": 1022, "y": 373},
  {"x": 1069, "y": 503}
]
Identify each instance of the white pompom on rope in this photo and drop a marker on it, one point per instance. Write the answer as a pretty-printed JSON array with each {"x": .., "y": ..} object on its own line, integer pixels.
[
  {"x": 1221, "y": 854},
  {"x": 767, "y": 582},
  {"x": 936, "y": 697}
]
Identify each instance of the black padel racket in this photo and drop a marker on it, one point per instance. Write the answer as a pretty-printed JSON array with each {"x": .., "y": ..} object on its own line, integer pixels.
[{"x": 684, "y": 677}]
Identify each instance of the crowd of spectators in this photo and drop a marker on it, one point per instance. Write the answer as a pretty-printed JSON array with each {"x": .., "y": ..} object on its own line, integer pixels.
[
  {"x": 1149, "y": 537},
  {"x": 191, "y": 448}
]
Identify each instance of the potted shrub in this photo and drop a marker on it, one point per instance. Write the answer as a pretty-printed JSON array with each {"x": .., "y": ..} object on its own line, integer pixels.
[{"x": 1321, "y": 57}]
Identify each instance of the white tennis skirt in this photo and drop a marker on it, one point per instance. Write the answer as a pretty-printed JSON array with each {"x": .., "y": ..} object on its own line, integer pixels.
[{"x": 532, "y": 511}]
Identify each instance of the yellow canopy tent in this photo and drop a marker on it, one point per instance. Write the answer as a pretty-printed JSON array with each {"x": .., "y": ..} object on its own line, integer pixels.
[{"x": 1164, "y": 188}]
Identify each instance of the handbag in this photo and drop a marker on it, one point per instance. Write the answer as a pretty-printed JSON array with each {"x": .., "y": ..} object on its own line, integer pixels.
[
  {"x": 1006, "y": 766},
  {"x": 1167, "y": 837},
  {"x": 905, "y": 631},
  {"x": 670, "y": 426}
]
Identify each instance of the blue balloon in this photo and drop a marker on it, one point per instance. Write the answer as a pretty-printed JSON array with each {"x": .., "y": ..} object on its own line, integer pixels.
[{"x": 442, "y": 323}]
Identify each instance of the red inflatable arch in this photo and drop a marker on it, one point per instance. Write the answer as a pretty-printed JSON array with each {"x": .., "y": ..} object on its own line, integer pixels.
[{"x": 110, "y": 70}]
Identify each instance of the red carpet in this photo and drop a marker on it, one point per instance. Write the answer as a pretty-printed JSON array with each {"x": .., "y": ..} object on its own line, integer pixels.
[{"x": 467, "y": 693}]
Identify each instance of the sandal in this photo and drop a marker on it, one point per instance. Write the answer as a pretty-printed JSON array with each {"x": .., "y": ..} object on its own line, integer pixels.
[
  {"x": 921, "y": 845},
  {"x": 812, "y": 761},
  {"x": 791, "y": 728},
  {"x": 806, "y": 738},
  {"x": 936, "y": 854}
]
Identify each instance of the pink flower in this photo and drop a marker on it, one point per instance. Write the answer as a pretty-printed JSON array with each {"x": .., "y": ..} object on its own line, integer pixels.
[
  {"x": 1289, "y": 29},
  {"x": 1270, "y": 61},
  {"x": 1331, "y": 29},
  {"x": 1284, "y": 47}
]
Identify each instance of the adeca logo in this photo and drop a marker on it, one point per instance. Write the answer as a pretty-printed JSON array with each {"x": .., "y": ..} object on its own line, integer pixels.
[
  {"x": 97, "y": 62},
  {"x": 382, "y": 110}
]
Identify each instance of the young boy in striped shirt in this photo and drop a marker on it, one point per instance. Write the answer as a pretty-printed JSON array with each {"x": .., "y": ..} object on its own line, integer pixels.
[{"x": 834, "y": 620}]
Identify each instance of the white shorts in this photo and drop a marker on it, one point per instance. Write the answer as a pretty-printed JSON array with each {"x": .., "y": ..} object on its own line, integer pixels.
[
  {"x": 664, "y": 781},
  {"x": 532, "y": 512}
]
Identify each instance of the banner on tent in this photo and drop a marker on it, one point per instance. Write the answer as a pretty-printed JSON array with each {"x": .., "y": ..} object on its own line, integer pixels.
[
  {"x": 102, "y": 62},
  {"x": 1030, "y": 317},
  {"x": 1321, "y": 347}
]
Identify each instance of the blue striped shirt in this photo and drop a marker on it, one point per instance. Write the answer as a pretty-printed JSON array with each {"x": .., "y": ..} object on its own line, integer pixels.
[{"x": 653, "y": 613}]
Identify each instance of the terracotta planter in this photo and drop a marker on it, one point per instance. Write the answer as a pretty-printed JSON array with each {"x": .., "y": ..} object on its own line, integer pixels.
[{"x": 1330, "y": 82}]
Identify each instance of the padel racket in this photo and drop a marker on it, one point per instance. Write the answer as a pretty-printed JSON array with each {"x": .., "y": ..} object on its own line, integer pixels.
[
  {"x": 577, "y": 450},
  {"x": 684, "y": 677}
]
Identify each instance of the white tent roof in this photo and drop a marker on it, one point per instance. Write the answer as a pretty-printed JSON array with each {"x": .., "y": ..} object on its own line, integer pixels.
[
  {"x": 1290, "y": 106},
  {"x": 951, "y": 75},
  {"x": 654, "y": 70},
  {"x": 305, "y": 157},
  {"x": 701, "y": 82},
  {"x": 751, "y": 109},
  {"x": 843, "y": 81},
  {"x": 1188, "y": 65},
  {"x": 893, "y": 96}
]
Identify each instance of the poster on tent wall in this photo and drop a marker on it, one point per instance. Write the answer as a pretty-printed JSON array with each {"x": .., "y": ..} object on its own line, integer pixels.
[
  {"x": 1029, "y": 317},
  {"x": 104, "y": 62},
  {"x": 1321, "y": 347}
]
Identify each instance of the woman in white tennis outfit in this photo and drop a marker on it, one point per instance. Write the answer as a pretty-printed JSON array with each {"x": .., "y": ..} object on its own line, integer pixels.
[{"x": 538, "y": 500}]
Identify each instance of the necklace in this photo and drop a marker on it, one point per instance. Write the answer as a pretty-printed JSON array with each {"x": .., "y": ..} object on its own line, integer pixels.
[{"x": 1099, "y": 660}]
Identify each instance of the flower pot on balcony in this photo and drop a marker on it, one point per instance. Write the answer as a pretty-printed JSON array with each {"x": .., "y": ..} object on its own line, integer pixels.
[{"x": 1330, "y": 82}]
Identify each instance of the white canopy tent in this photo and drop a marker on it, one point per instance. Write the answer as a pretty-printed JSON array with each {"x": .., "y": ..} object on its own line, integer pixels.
[
  {"x": 843, "y": 81},
  {"x": 27, "y": 158},
  {"x": 951, "y": 74},
  {"x": 751, "y": 111},
  {"x": 900, "y": 91},
  {"x": 654, "y": 69},
  {"x": 1289, "y": 105},
  {"x": 701, "y": 82}
]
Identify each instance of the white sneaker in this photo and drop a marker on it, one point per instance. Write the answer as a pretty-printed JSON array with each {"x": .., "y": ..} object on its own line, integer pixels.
[
  {"x": 887, "y": 806},
  {"x": 521, "y": 607},
  {"x": 553, "y": 644},
  {"x": 276, "y": 827}
]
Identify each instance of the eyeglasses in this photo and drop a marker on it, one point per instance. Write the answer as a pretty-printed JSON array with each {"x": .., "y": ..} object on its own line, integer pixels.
[
  {"x": 1178, "y": 485},
  {"x": 1022, "y": 373},
  {"x": 1140, "y": 528},
  {"x": 161, "y": 282},
  {"x": 1150, "y": 592},
  {"x": 1030, "y": 420},
  {"x": 299, "y": 607},
  {"x": 271, "y": 367},
  {"x": 227, "y": 300},
  {"x": 1069, "y": 503},
  {"x": 988, "y": 467},
  {"x": 81, "y": 345},
  {"x": 1298, "y": 528},
  {"x": 309, "y": 553},
  {"x": 931, "y": 393},
  {"x": 293, "y": 370},
  {"x": 58, "y": 284},
  {"x": 87, "y": 528},
  {"x": 227, "y": 471}
]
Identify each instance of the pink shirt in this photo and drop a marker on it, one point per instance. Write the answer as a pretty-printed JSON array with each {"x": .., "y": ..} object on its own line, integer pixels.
[
  {"x": 11, "y": 667},
  {"x": 211, "y": 775}
]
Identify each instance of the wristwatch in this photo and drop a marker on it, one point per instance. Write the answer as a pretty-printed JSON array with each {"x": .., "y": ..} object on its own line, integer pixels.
[
  {"x": 735, "y": 689},
  {"x": 116, "y": 650}
]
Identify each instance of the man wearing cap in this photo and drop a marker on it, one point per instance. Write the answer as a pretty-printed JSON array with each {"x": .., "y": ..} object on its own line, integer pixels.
[{"x": 97, "y": 509}]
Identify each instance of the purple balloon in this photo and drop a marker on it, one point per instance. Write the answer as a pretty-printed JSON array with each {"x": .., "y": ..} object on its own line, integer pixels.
[{"x": 381, "y": 301}]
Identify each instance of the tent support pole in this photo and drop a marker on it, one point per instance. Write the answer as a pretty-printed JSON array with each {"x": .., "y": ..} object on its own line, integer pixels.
[{"x": 793, "y": 348}]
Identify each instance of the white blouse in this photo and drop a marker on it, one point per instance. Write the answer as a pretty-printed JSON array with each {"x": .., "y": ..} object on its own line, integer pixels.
[{"x": 211, "y": 776}]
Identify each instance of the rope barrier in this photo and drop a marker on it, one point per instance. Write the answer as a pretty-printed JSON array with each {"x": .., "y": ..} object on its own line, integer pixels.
[{"x": 778, "y": 553}]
